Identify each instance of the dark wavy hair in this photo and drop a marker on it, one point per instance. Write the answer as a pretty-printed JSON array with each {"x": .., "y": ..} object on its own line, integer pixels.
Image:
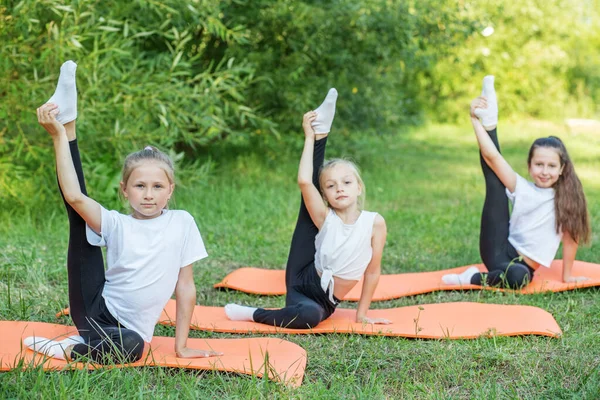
[{"x": 569, "y": 200}]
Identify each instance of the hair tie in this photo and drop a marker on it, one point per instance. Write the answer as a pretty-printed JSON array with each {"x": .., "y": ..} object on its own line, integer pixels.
[{"x": 148, "y": 148}]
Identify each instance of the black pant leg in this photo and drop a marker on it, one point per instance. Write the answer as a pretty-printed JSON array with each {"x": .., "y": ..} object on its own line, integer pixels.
[
  {"x": 509, "y": 272},
  {"x": 111, "y": 344},
  {"x": 495, "y": 217},
  {"x": 302, "y": 312},
  {"x": 302, "y": 248},
  {"x": 85, "y": 264}
]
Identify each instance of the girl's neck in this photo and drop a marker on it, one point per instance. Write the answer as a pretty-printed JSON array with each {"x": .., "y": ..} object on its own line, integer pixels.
[{"x": 348, "y": 215}]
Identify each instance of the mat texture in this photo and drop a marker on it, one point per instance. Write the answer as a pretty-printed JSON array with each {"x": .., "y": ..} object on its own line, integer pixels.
[
  {"x": 281, "y": 360},
  {"x": 460, "y": 320},
  {"x": 272, "y": 282}
]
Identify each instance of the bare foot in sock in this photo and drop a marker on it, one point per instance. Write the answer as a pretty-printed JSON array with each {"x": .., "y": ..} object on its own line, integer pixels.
[
  {"x": 489, "y": 115},
  {"x": 65, "y": 96},
  {"x": 325, "y": 113},
  {"x": 53, "y": 348},
  {"x": 236, "y": 312},
  {"x": 464, "y": 278}
]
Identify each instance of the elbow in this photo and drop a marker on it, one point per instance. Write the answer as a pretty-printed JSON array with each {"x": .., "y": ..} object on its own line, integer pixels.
[
  {"x": 74, "y": 199},
  {"x": 372, "y": 276},
  {"x": 490, "y": 157},
  {"x": 303, "y": 182},
  {"x": 186, "y": 292}
]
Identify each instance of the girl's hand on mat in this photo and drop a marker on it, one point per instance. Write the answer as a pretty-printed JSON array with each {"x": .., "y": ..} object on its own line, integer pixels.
[
  {"x": 479, "y": 102},
  {"x": 47, "y": 118},
  {"x": 575, "y": 279},
  {"x": 307, "y": 121},
  {"x": 186, "y": 352},
  {"x": 382, "y": 321}
]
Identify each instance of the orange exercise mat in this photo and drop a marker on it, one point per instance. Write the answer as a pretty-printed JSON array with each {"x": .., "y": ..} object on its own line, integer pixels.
[
  {"x": 282, "y": 360},
  {"x": 461, "y": 320},
  {"x": 272, "y": 282}
]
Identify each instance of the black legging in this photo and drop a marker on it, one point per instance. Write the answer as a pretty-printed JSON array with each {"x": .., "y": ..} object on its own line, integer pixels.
[
  {"x": 498, "y": 255},
  {"x": 306, "y": 304},
  {"x": 106, "y": 341}
]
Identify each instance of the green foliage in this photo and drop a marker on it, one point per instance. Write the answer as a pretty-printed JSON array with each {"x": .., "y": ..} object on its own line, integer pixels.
[
  {"x": 372, "y": 51},
  {"x": 144, "y": 77},
  {"x": 544, "y": 55},
  {"x": 189, "y": 75}
]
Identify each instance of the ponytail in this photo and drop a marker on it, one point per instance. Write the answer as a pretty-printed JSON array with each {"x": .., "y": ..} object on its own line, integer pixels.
[{"x": 569, "y": 200}]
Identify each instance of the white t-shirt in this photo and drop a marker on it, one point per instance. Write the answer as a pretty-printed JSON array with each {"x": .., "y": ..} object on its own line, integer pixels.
[
  {"x": 532, "y": 230},
  {"x": 143, "y": 260}
]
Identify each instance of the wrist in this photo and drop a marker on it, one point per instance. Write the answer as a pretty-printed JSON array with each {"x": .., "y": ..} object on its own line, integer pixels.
[{"x": 59, "y": 136}]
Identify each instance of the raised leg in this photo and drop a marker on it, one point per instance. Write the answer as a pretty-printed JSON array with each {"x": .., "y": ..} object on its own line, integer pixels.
[
  {"x": 495, "y": 217},
  {"x": 85, "y": 264},
  {"x": 302, "y": 248}
]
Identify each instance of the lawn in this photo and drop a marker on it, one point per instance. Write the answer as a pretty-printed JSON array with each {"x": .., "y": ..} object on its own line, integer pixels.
[{"x": 428, "y": 186}]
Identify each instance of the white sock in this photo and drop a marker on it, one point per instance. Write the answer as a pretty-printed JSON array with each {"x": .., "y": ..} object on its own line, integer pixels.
[
  {"x": 489, "y": 115},
  {"x": 65, "y": 95},
  {"x": 464, "y": 278},
  {"x": 236, "y": 312},
  {"x": 52, "y": 348},
  {"x": 325, "y": 113}
]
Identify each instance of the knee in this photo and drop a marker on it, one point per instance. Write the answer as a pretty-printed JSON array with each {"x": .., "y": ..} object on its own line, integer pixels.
[
  {"x": 132, "y": 346},
  {"x": 309, "y": 315},
  {"x": 517, "y": 276}
]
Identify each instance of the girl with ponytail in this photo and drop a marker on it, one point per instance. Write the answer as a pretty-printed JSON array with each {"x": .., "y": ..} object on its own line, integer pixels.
[{"x": 550, "y": 210}]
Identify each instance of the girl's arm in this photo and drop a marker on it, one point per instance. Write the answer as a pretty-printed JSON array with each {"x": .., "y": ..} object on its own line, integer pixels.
[
  {"x": 569, "y": 251},
  {"x": 490, "y": 153},
  {"x": 372, "y": 273},
  {"x": 185, "y": 295},
  {"x": 312, "y": 198},
  {"x": 86, "y": 207}
]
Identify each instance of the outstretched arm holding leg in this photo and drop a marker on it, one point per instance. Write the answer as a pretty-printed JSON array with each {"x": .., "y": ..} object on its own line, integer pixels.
[
  {"x": 489, "y": 152},
  {"x": 311, "y": 195},
  {"x": 86, "y": 207}
]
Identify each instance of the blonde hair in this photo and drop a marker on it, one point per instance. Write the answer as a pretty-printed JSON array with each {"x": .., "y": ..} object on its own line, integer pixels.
[
  {"x": 329, "y": 164},
  {"x": 148, "y": 154}
]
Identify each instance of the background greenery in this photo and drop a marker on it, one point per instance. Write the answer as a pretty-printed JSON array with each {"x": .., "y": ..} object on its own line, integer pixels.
[
  {"x": 222, "y": 86},
  {"x": 194, "y": 75}
]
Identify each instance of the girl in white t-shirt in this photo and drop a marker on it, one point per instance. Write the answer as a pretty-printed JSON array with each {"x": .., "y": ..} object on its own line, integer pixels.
[
  {"x": 546, "y": 211},
  {"x": 335, "y": 243},
  {"x": 149, "y": 252}
]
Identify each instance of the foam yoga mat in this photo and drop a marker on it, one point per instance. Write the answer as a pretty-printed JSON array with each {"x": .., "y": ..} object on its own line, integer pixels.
[
  {"x": 283, "y": 361},
  {"x": 461, "y": 320},
  {"x": 272, "y": 282}
]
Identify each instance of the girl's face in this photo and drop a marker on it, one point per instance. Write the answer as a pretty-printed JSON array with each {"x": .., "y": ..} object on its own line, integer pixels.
[
  {"x": 148, "y": 190},
  {"x": 545, "y": 168},
  {"x": 340, "y": 187}
]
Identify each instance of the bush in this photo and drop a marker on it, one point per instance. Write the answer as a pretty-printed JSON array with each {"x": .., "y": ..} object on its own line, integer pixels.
[
  {"x": 186, "y": 75},
  {"x": 144, "y": 77}
]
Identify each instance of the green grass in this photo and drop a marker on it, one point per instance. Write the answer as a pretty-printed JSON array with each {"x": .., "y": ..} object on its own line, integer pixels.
[{"x": 428, "y": 185}]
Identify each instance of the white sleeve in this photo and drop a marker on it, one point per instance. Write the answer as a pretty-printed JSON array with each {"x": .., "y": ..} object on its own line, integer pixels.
[
  {"x": 107, "y": 227},
  {"x": 193, "y": 246},
  {"x": 520, "y": 185}
]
